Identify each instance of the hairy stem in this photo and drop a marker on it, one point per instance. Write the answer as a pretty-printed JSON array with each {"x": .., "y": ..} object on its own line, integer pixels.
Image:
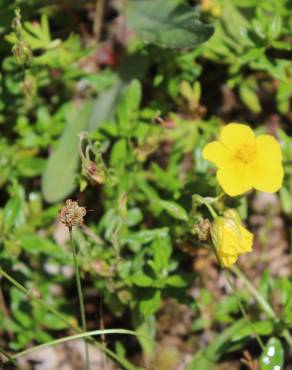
[{"x": 80, "y": 296}]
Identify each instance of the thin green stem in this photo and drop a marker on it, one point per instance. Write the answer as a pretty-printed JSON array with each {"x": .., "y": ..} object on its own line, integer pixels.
[
  {"x": 261, "y": 301},
  {"x": 50, "y": 308},
  {"x": 242, "y": 309},
  {"x": 221, "y": 195},
  {"x": 79, "y": 336},
  {"x": 80, "y": 296},
  {"x": 211, "y": 210},
  {"x": 258, "y": 297}
]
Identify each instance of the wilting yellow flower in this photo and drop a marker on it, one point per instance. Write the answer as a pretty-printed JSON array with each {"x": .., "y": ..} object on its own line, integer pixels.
[
  {"x": 230, "y": 238},
  {"x": 245, "y": 161}
]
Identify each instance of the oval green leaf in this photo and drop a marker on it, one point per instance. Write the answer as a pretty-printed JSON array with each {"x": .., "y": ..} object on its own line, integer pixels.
[
  {"x": 167, "y": 23},
  {"x": 272, "y": 357}
]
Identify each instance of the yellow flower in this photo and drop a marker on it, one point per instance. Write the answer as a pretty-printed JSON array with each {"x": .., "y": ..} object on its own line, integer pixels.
[
  {"x": 230, "y": 238},
  {"x": 245, "y": 161},
  {"x": 209, "y": 6}
]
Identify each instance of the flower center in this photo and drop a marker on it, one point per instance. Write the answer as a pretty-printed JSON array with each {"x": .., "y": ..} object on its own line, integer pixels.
[{"x": 246, "y": 153}]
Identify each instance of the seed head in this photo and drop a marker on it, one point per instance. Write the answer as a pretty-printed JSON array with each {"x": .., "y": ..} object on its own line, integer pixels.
[
  {"x": 71, "y": 214},
  {"x": 203, "y": 229}
]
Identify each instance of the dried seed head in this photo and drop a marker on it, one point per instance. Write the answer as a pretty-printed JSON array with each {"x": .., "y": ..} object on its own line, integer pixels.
[
  {"x": 71, "y": 214},
  {"x": 202, "y": 229}
]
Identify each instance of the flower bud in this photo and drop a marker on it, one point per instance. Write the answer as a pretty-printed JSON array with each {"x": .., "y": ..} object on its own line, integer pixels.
[
  {"x": 95, "y": 174},
  {"x": 230, "y": 238},
  {"x": 211, "y": 7},
  {"x": 22, "y": 53}
]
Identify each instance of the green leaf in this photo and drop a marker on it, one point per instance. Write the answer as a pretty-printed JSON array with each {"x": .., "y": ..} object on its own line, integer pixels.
[
  {"x": 167, "y": 23},
  {"x": 22, "y": 313},
  {"x": 286, "y": 200},
  {"x": 147, "y": 329},
  {"x": 173, "y": 209},
  {"x": 119, "y": 154},
  {"x": 13, "y": 213},
  {"x": 161, "y": 249},
  {"x": 250, "y": 98},
  {"x": 206, "y": 358},
  {"x": 272, "y": 357},
  {"x": 54, "y": 323},
  {"x": 134, "y": 66},
  {"x": 275, "y": 27},
  {"x": 35, "y": 244},
  {"x": 141, "y": 280},
  {"x": 134, "y": 216},
  {"x": 12, "y": 247},
  {"x": 104, "y": 106},
  {"x": 58, "y": 180},
  {"x": 176, "y": 281},
  {"x": 264, "y": 327},
  {"x": 21, "y": 309},
  {"x": 41, "y": 336},
  {"x": 146, "y": 236},
  {"x": 129, "y": 104},
  {"x": 151, "y": 303},
  {"x": 31, "y": 166},
  {"x": 258, "y": 28}
]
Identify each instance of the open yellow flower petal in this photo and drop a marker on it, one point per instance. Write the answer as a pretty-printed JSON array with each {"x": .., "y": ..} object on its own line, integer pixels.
[
  {"x": 244, "y": 161},
  {"x": 216, "y": 153},
  {"x": 268, "y": 172},
  {"x": 268, "y": 179},
  {"x": 235, "y": 180},
  {"x": 234, "y": 135},
  {"x": 268, "y": 151}
]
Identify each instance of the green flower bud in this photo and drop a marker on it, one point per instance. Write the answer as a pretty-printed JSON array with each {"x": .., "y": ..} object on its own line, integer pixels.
[{"x": 22, "y": 53}]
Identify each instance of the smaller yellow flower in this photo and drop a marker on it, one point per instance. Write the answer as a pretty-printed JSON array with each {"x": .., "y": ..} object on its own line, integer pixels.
[
  {"x": 210, "y": 6},
  {"x": 245, "y": 161},
  {"x": 230, "y": 238}
]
